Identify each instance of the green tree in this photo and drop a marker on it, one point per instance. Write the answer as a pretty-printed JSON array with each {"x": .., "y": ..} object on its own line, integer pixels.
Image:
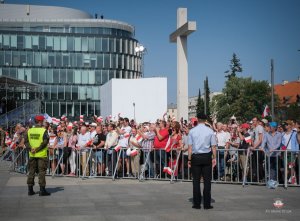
[
  {"x": 200, "y": 104},
  {"x": 235, "y": 66},
  {"x": 207, "y": 97},
  {"x": 243, "y": 98}
]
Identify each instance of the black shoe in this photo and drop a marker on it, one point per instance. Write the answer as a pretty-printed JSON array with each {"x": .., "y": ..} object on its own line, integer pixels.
[
  {"x": 30, "y": 191},
  {"x": 43, "y": 192},
  {"x": 196, "y": 207},
  {"x": 209, "y": 207}
]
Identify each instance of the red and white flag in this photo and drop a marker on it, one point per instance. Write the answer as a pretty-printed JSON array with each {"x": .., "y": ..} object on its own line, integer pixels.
[
  {"x": 55, "y": 121},
  {"x": 134, "y": 152},
  {"x": 266, "y": 112},
  {"x": 126, "y": 135},
  {"x": 89, "y": 143},
  {"x": 139, "y": 138},
  {"x": 63, "y": 117},
  {"x": 168, "y": 145},
  {"x": 117, "y": 148},
  {"x": 8, "y": 141},
  {"x": 168, "y": 170},
  {"x": 99, "y": 119},
  {"x": 81, "y": 118},
  {"x": 248, "y": 139},
  {"x": 13, "y": 145}
]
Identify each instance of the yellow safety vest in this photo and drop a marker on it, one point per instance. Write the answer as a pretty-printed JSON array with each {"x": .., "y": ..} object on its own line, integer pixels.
[{"x": 35, "y": 138}]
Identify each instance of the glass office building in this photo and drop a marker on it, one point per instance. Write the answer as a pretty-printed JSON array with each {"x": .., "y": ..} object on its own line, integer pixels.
[{"x": 68, "y": 52}]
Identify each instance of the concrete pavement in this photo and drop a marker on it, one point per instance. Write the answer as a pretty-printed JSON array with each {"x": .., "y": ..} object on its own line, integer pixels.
[{"x": 103, "y": 199}]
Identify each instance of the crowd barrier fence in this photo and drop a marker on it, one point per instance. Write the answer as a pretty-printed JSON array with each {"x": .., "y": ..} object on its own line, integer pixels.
[{"x": 235, "y": 166}]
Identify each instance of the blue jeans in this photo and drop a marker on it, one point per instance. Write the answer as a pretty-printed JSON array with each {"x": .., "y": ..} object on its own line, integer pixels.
[
  {"x": 221, "y": 163},
  {"x": 160, "y": 160}
]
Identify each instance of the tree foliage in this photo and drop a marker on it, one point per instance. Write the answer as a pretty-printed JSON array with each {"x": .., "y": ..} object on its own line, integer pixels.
[
  {"x": 207, "y": 97},
  {"x": 235, "y": 66},
  {"x": 200, "y": 104},
  {"x": 242, "y": 97}
]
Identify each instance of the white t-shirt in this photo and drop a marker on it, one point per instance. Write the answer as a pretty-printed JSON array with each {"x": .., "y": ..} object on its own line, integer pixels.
[
  {"x": 222, "y": 138},
  {"x": 123, "y": 142},
  {"x": 258, "y": 130},
  {"x": 286, "y": 139},
  {"x": 92, "y": 134},
  {"x": 83, "y": 139}
]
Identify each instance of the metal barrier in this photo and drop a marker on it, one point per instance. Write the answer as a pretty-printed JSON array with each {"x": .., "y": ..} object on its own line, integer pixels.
[{"x": 233, "y": 165}]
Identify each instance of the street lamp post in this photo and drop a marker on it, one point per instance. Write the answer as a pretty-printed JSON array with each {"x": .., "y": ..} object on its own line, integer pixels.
[
  {"x": 141, "y": 50},
  {"x": 133, "y": 111}
]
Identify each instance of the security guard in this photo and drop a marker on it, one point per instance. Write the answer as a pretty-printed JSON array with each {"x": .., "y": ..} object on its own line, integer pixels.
[
  {"x": 37, "y": 141},
  {"x": 201, "y": 159}
]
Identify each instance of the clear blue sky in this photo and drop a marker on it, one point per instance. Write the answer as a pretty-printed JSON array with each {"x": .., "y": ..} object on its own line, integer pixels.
[{"x": 256, "y": 30}]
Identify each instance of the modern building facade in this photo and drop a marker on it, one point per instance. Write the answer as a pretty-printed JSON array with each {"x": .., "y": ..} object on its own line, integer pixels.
[{"x": 68, "y": 52}]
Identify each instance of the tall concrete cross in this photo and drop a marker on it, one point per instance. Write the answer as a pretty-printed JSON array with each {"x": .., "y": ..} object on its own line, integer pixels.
[{"x": 184, "y": 28}]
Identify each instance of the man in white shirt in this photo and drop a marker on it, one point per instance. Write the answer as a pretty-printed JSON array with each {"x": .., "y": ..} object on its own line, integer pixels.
[
  {"x": 110, "y": 143},
  {"x": 258, "y": 151},
  {"x": 223, "y": 137},
  {"x": 124, "y": 133},
  {"x": 83, "y": 142}
]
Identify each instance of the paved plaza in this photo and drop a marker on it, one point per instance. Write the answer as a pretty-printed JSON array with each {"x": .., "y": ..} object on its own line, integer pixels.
[{"x": 103, "y": 199}]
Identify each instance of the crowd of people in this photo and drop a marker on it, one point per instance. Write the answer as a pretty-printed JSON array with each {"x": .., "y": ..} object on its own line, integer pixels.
[{"x": 253, "y": 150}]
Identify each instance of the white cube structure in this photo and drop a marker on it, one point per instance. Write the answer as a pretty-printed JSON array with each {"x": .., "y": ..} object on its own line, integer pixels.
[{"x": 143, "y": 99}]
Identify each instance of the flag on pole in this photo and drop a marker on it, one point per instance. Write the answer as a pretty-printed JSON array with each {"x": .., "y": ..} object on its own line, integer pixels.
[
  {"x": 168, "y": 145},
  {"x": 248, "y": 139},
  {"x": 266, "y": 112},
  {"x": 117, "y": 148},
  {"x": 139, "y": 138},
  {"x": 168, "y": 170},
  {"x": 133, "y": 152}
]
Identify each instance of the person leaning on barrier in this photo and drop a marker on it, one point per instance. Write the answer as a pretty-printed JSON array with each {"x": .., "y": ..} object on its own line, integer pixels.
[
  {"x": 201, "y": 159},
  {"x": 272, "y": 142},
  {"x": 245, "y": 143},
  {"x": 36, "y": 140}
]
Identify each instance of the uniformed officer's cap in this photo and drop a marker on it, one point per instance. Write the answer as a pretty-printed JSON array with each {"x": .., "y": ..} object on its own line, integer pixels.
[
  {"x": 202, "y": 116},
  {"x": 39, "y": 118}
]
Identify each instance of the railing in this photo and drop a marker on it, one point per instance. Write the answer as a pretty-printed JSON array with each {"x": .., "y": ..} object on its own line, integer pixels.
[
  {"x": 21, "y": 114},
  {"x": 234, "y": 166}
]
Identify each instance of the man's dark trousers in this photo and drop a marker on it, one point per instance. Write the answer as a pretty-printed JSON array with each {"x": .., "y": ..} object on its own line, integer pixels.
[{"x": 202, "y": 167}]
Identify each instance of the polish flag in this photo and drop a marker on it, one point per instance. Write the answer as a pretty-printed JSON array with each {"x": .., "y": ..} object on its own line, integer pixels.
[
  {"x": 55, "y": 121},
  {"x": 266, "y": 111},
  {"x": 8, "y": 141},
  {"x": 248, "y": 139},
  {"x": 139, "y": 138},
  {"x": 99, "y": 119},
  {"x": 168, "y": 145},
  {"x": 63, "y": 118},
  {"x": 134, "y": 152},
  {"x": 13, "y": 145},
  {"x": 89, "y": 143},
  {"x": 126, "y": 135},
  {"x": 81, "y": 116},
  {"x": 168, "y": 170},
  {"x": 117, "y": 148}
]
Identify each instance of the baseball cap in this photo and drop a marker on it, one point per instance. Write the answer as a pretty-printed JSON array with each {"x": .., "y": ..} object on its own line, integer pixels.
[
  {"x": 273, "y": 124},
  {"x": 245, "y": 125},
  {"x": 39, "y": 118}
]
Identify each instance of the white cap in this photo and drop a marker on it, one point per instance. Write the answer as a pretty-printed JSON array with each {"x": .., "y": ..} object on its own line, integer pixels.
[{"x": 93, "y": 124}]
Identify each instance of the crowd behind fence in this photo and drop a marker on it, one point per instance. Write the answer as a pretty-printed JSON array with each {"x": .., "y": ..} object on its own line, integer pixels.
[{"x": 234, "y": 165}]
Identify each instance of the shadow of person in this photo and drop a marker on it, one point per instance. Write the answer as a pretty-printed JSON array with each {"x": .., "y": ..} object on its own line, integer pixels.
[
  {"x": 191, "y": 200},
  {"x": 54, "y": 189}
]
